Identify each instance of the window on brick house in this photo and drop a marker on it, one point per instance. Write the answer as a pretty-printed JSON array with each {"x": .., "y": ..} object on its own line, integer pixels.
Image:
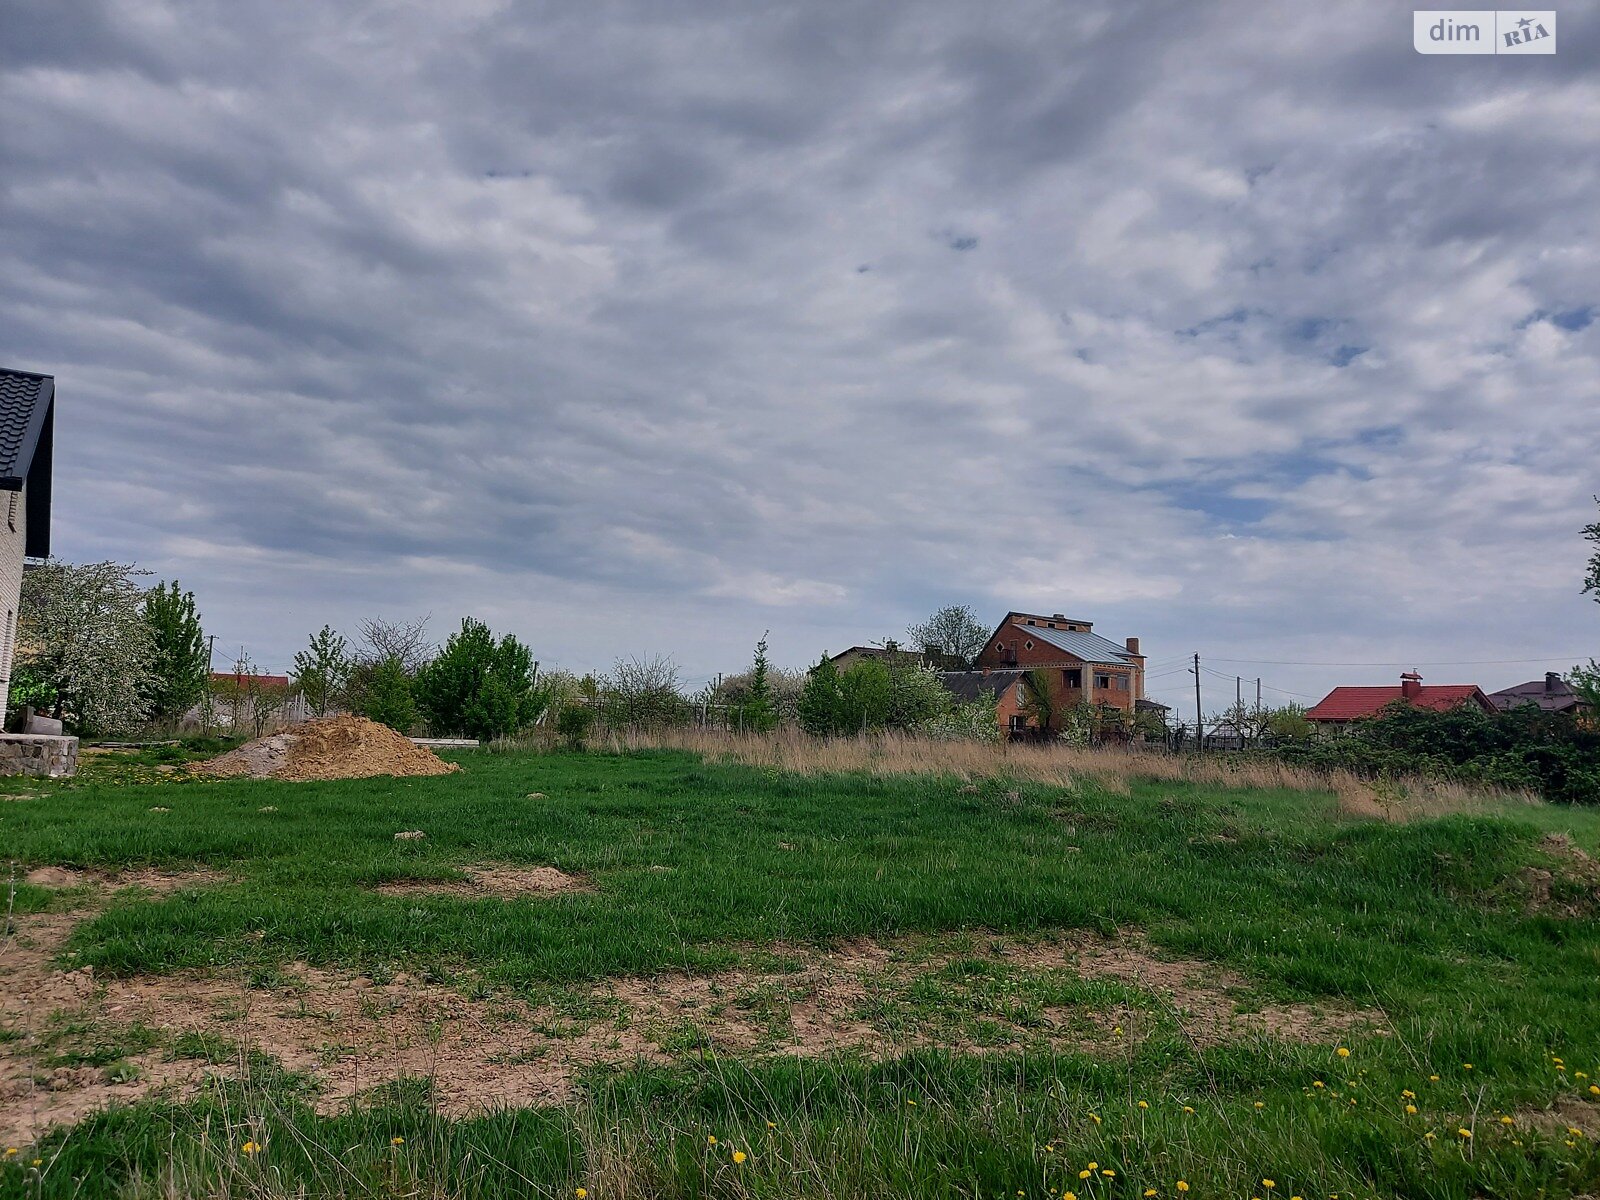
[
  {"x": 1073, "y": 677},
  {"x": 1027, "y": 646},
  {"x": 1122, "y": 683},
  {"x": 1102, "y": 681}
]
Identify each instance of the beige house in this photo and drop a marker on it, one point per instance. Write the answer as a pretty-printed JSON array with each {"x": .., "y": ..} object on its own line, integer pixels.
[{"x": 27, "y": 423}]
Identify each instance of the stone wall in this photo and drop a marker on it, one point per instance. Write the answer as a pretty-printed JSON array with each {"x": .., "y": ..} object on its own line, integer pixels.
[{"x": 38, "y": 754}]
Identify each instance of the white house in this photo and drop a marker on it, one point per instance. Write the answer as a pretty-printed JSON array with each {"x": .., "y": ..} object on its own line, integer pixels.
[{"x": 27, "y": 424}]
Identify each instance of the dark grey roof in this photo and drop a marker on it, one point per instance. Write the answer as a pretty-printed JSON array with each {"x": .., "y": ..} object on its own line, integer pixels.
[
  {"x": 1147, "y": 705},
  {"x": 27, "y": 434},
  {"x": 1552, "y": 694},
  {"x": 1090, "y": 647},
  {"x": 968, "y": 686}
]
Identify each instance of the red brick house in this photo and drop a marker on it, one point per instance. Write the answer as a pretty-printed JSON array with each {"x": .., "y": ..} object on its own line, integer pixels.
[
  {"x": 1087, "y": 668},
  {"x": 1344, "y": 705},
  {"x": 1008, "y": 689}
]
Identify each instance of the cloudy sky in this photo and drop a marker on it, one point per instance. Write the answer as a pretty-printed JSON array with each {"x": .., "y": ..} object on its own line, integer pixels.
[{"x": 647, "y": 327}]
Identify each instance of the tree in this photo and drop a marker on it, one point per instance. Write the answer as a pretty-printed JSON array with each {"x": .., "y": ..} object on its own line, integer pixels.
[
  {"x": 573, "y": 723},
  {"x": 1043, "y": 705},
  {"x": 642, "y": 693},
  {"x": 951, "y": 631},
  {"x": 916, "y": 694},
  {"x": 322, "y": 670},
  {"x": 864, "y": 692},
  {"x": 403, "y": 640},
  {"x": 1289, "y": 724},
  {"x": 758, "y": 713},
  {"x": 479, "y": 687},
  {"x": 1591, "y": 581},
  {"x": 388, "y": 698},
  {"x": 83, "y": 641},
  {"x": 821, "y": 700},
  {"x": 178, "y": 661}
]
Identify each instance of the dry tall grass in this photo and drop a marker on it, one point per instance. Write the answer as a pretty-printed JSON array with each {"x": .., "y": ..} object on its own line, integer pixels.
[{"x": 1111, "y": 768}]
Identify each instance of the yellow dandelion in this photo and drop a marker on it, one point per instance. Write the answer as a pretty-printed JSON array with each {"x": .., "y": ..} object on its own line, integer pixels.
[
  {"x": 1318, "y": 1083},
  {"x": 1084, "y": 1174},
  {"x": 1144, "y": 1104},
  {"x": 739, "y": 1156},
  {"x": 1095, "y": 1117},
  {"x": 1466, "y": 1066},
  {"x": 1411, "y": 1110},
  {"x": 711, "y": 1139},
  {"x": 912, "y": 1103},
  {"x": 1559, "y": 1067},
  {"x": 1593, "y": 1090},
  {"x": 1149, "y": 1191},
  {"x": 1507, "y": 1121},
  {"x": 397, "y": 1141},
  {"x": 1117, "y": 1031},
  {"x": 247, "y": 1148},
  {"x": 1342, "y": 1052},
  {"x": 1574, "y": 1131},
  {"x": 1269, "y": 1184},
  {"x": 1428, "y": 1137},
  {"x": 1466, "y": 1133},
  {"x": 1050, "y": 1148},
  {"x": 1259, "y": 1104},
  {"x": 1433, "y": 1079},
  {"x": 1094, "y": 1166},
  {"x": 1182, "y": 1186},
  {"x": 1409, "y": 1094},
  {"x": 1187, "y": 1109},
  {"x": 39, "y": 1162},
  {"x": 580, "y": 1193},
  {"x": 1069, "y": 1196},
  {"x": 772, "y": 1124},
  {"x": 1580, "y": 1074},
  {"x": 1109, "y": 1173},
  {"x": 12, "y": 1151}
]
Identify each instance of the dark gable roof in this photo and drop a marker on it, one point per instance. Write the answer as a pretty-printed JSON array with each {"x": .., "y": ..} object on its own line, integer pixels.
[
  {"x": 968, "y": 686},
  {"x": 27, "y": 436},
  {"x": 1551, "y": 694}
]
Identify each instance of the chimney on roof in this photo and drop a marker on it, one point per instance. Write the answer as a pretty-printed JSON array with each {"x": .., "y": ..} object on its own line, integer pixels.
[
  {"x": 1133, "y": 645},
  {"x": 1552, "y": 683},
  {"x": 1410, "y": 685}
]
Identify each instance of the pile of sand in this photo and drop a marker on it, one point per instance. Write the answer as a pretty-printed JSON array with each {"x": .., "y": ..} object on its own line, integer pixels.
[{"x": 344, "y": 747}]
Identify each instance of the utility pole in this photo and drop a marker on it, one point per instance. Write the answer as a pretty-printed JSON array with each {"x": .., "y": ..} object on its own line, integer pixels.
[
  {"x": 1258, "y": 693},
  {"x": 1199, "y": 721},
  {"x": 1238, "y": 691},
  {"x": 205, "y": 702}
]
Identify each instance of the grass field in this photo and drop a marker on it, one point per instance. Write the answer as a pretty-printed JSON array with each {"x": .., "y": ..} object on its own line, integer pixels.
[{"x": 857, "y": 984}]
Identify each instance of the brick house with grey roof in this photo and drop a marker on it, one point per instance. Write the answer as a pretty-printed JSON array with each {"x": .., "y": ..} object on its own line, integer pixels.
[{"x": 1085, "y": 667}]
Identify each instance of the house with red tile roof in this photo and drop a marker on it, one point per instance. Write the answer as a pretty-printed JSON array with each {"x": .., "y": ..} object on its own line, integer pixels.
[{"x": 1344, "y": 705}]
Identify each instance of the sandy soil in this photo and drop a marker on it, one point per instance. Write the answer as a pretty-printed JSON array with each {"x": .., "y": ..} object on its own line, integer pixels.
[
  {"x": 352, "y": 1033},
  {"x": 342, "y": 747}
]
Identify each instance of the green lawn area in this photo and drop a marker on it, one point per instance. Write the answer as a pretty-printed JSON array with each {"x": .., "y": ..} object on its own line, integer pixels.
[{"x": 1429, "y": 930}]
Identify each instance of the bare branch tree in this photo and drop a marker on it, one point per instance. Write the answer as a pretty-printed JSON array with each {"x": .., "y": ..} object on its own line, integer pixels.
[{"x": 406, "y": 641}]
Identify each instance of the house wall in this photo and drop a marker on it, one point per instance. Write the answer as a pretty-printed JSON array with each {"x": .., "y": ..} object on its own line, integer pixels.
[
  {"x": 13, "y": 534},
  {"x": 1043, "y": 655}
]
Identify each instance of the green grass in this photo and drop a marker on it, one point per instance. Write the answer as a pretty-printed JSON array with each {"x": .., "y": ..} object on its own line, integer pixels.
[{"x": 1424, "y": 924}]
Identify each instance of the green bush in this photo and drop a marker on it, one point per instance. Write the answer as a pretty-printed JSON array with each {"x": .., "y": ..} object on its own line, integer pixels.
[
  {"x": 573, "y": 723},
  {"x": 479, "y": 687},
  {"x": 387, "y": 698}
]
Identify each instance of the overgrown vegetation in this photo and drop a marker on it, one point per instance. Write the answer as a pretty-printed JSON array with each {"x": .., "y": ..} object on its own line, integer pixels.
[
  {"x": 1549, "y": 754},
  {"x": 1426, "y": 927}
]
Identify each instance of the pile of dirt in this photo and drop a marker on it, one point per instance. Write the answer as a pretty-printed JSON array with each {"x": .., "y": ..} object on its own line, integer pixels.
[{"x": 343, "y": 747}]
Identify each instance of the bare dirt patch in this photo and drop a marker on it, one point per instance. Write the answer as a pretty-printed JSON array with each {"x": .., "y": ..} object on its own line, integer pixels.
[
  {"x": 505, "y": 882},
  {"x": 150, "y": 879},
  {"x": 352, "y": 1033},
  {"x": 1570, "y": 887},
  {"x": 342, "y": 747}
]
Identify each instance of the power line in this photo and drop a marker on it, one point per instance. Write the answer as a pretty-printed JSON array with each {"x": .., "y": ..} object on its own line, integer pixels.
[{"x": 1460, "y": 662}]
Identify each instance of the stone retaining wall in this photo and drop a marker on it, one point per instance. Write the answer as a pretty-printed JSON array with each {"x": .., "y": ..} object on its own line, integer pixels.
[{"x": 38, "y": 754}]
